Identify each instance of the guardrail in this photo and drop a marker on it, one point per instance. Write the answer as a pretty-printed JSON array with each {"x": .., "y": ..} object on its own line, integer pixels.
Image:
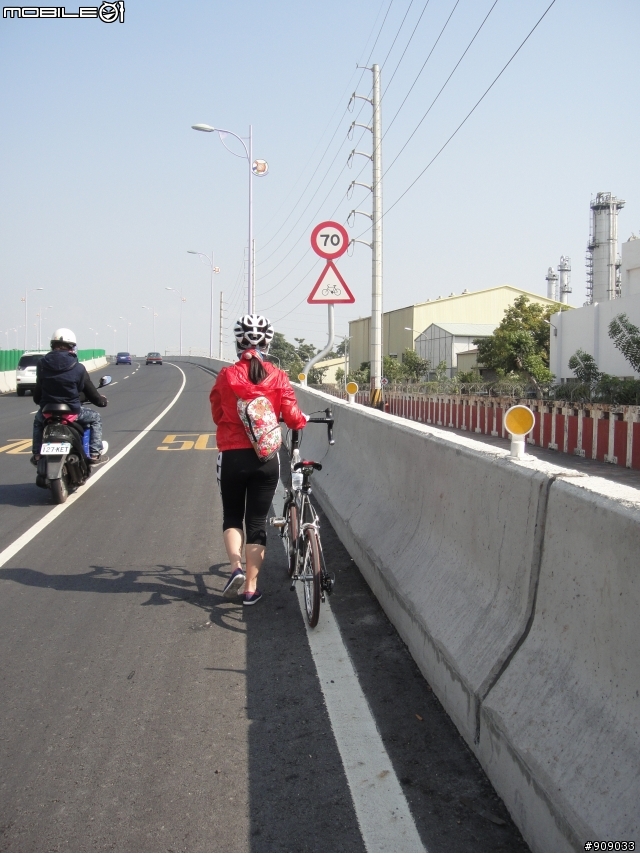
[{"x": 597, "y": 431}]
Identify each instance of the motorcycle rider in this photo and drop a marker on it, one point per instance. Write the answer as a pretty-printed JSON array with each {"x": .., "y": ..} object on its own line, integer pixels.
[{"x": 61, "y": 378}]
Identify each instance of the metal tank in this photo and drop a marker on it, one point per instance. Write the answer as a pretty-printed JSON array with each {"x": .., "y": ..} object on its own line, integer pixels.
[
  {"x": 564, "y": 270},
  {"x": 552, "y": 284},
  {"x": 603, "y": 264}
]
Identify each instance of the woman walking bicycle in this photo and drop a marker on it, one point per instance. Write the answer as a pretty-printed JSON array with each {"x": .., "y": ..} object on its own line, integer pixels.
[{"x": 247, "y": 400}]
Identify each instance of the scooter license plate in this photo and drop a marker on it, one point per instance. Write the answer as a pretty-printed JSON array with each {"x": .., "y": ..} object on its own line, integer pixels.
[{"x": 55, "y": 448}]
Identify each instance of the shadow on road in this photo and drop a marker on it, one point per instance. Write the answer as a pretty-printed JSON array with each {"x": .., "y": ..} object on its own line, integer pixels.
[
  {"x": 24, "y": 494},
  {"x": 163, "y": 584}
]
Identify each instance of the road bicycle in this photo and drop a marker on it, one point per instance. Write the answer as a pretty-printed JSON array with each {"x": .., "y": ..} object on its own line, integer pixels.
[{"x": 300, "y": 527}]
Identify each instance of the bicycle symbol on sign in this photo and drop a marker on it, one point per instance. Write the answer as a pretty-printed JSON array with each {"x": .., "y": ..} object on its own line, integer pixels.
[{"x": 333, "y": 289}]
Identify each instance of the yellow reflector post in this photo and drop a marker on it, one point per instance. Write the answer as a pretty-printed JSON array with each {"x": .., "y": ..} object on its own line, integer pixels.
[
  {"x": 519, "y": 420},
  {"x": 352, "y": 388},
  {"x": 302, "y": 377}
]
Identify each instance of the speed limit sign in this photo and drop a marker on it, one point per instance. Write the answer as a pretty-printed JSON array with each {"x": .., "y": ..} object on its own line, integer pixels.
[{"x": 329, "y": 239}]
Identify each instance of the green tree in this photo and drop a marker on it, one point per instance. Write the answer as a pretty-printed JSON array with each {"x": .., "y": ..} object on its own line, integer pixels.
[
  {"x": 520, "y": 344},
  {"x": 413, "y": 367},
  {"x": 584, "y": 367},
  {"x": 626, "y": 336},
  {"x": 391, "y": 369}
]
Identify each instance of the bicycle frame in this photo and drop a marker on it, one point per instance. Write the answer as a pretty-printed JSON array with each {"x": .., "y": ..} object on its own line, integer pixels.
[{"x": 305, "y": 553}]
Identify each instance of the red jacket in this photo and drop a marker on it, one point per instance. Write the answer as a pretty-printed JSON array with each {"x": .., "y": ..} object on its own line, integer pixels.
[{"x": 233, "y": 383}]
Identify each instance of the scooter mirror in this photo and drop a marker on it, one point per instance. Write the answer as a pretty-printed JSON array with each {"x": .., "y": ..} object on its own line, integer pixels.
[{"x": 104, "y": 381}]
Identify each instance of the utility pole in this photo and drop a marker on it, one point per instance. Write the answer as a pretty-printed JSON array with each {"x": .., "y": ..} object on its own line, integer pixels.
[
  {"x": 221, "y": 346},
  {"x": 375, "y": 334},
  {"x": 253, "y": 277}
]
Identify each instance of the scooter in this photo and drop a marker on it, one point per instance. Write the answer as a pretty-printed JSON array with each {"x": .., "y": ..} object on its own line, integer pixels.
[{"x": 64, "y": 462}]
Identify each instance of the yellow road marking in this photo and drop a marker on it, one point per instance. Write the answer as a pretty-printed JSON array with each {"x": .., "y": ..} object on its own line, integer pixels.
[
  {"x": 23, "y": 447},
  {"x": 182, "y": 443},
  {"x": 14, "y": 443},
  {"x": 202, "y": 442}
]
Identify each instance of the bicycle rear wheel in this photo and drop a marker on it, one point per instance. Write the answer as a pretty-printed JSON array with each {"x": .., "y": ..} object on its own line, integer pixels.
[
  {"x": 311, "y": 576},
  {"x": 291, "y": 534}
]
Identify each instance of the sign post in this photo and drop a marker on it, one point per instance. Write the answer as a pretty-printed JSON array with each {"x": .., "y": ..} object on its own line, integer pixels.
[{"x": 329, "y": 240}]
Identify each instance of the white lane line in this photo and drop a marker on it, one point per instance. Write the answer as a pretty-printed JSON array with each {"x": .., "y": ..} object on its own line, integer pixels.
[
  {"x": 114, "y": 383},
  {"x": 127, "y": 377},
  {"x": 384, "y": 817},
  {"x": 34, "y": 412},
  {"x": 53, "y": 514}
]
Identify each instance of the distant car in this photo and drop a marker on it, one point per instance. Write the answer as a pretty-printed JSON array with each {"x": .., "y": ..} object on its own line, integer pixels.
[
  {"x": 26, "y": 371},
  {"x": 123, "y": 359},
  {"x": 153, "y": 359}
]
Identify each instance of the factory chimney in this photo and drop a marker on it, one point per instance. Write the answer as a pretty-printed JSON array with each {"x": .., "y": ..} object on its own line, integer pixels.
[
  {"x": 564, "y": 269},
  {"x": 603, "y": 264},
  {"x": 552, "y": 284}
]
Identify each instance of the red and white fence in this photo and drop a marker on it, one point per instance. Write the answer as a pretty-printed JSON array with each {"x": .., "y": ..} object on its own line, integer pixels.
[{"x": 597, "y": 431}]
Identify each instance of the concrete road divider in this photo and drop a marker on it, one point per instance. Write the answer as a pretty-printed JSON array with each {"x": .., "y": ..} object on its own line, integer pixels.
[
  {"x": 447, "y": 533},
  {"x": 560, "y": 733}
]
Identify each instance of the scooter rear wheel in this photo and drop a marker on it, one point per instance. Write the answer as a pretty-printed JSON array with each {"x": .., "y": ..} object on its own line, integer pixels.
[{"x": 59, "y": 490}]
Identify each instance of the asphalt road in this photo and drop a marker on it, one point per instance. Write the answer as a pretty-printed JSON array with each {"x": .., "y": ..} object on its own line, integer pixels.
[{"x": 141, "y": 711}]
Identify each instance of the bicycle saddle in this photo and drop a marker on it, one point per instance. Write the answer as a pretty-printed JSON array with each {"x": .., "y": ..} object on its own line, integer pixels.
[{"x": 308, "y": 464}]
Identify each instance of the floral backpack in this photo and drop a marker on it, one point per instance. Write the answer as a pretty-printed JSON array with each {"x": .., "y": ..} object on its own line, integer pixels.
[{"x": 261, "y": 425}]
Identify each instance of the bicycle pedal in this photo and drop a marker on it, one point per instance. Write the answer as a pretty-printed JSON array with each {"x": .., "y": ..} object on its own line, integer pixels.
[{"x": 277, "y": 521}]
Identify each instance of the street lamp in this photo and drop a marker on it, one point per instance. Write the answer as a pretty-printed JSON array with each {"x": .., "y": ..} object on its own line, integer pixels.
[
  {"x": 114, "y": 330},
  {"x": 128, "y": 327},
  {"x": 258, "y": 168},
  {"x": 24, "y": 300},
  {"x": 213, "y": 270},
  {"x": 182, "y": 301},
  {"x": 555, "y": 328},
  {"x": 39, "y": 316},
  {"x": 95, "y": 338},
  {"x": 153, "y": 315}
]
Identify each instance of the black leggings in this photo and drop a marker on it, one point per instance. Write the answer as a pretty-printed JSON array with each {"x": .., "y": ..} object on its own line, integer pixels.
[{"x": 247, "y": 486}]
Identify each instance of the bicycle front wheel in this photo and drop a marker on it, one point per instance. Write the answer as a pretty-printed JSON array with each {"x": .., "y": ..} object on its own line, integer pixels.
[
  {"x": 311, "y": 576},
  {"x": 291, "y": 535}
]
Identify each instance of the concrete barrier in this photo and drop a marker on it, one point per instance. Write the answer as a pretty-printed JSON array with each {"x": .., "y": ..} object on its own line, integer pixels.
[
  {"x": 515, "y": 587},
  {"x": 560, "y": 730}
]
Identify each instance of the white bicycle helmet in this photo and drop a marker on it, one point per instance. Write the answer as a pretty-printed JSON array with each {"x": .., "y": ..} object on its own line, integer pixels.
[
  {"x": 253, "y": 330},
  {"x": 63, "y": 336}
]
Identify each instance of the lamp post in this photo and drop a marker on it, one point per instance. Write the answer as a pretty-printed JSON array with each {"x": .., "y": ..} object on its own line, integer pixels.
[
  {"x": 153, "y": 315},
  {"x": 39, "y": 345},
  {"x": 258, "y": 168},
  {"x": 24, "y": 299},
  {"x": 182, "y": 301},
  {"x": 95, "y": 338},
  {"x": 128, "y": 326},
  {"x": 114, "y": 330},
  {"x": 213, "y": 270}
]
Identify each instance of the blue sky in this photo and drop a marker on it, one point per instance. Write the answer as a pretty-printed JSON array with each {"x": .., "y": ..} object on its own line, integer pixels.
[{"x": 105, "y": 186}]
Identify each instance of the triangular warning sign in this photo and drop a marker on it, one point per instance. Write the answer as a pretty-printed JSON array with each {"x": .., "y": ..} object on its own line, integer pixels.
[{"x": 330, "y": 287}]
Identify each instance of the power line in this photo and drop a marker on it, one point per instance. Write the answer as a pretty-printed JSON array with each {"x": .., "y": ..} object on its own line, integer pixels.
[
  {"x": 332, "y": 138},
  {"x": 475, "y": 106},
  {"x": 415, "y": 130},
  {"x": 422, "y": 69},
  {"x": 471, "y": 111},
  {"x": 424, "y": 9}
]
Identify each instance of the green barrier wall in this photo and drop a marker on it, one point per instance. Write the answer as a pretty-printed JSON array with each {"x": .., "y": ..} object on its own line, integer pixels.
[{"x": 9, "y": 358}]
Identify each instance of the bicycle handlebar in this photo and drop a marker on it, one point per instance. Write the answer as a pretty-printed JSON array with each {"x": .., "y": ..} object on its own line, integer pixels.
[{"x": 328, "y": 420}]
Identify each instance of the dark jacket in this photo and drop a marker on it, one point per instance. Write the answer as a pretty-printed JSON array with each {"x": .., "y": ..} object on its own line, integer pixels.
[{"x": 60, "y": 378}]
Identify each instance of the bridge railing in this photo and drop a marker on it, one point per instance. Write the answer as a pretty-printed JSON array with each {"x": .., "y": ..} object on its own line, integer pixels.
[{"x": 596, "y": 431}]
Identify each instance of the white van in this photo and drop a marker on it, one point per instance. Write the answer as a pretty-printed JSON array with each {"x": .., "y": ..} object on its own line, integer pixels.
[{"x": 26, "y": 371}]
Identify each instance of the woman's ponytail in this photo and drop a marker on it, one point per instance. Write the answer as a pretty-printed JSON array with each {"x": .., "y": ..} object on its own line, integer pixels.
[{"x": 257, "y": 371}]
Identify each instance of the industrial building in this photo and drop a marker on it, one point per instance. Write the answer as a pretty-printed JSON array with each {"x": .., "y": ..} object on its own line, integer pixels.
[
  {"x": 614, "y": 289},
  {"x": 443, "y": 342},
  {"x": 402, "y": 327}
]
